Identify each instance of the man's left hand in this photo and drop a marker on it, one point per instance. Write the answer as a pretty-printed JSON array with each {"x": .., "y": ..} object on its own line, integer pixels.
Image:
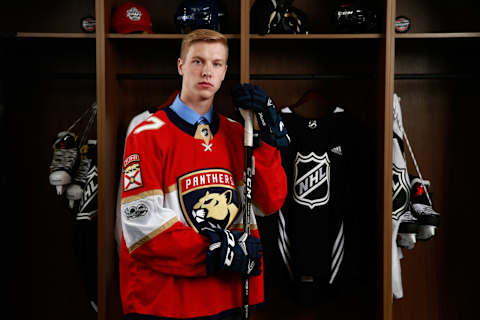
[{"x": 251, "y": 97}]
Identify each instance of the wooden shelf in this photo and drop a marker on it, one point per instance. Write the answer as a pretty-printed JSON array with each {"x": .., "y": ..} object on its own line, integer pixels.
[
  {"x": 157, "y": 36},
  {"x": 423, "y": 35},
  {"x": 320, "y": 36},
  {"x": 431, "y": 35},
  {"x": 54, "y": 35}
]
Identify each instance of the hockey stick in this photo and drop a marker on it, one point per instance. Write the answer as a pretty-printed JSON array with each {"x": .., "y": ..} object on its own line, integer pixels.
[{"x": 247, "y": 208}]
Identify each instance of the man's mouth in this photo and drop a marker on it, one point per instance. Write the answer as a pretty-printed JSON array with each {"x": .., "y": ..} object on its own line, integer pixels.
[{"x": 205, "y": 84}]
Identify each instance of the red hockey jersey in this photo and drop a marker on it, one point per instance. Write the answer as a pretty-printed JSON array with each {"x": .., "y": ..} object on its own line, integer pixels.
[{"x": 176, "y": 178}]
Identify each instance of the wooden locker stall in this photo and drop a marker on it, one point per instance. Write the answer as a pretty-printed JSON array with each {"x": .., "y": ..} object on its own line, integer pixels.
[
  {"x": 48, "y": 77},
  {"x": 354, "y": 79},
  {"x": 140, "y": 71},
  {"x": 436, "y": 68}
]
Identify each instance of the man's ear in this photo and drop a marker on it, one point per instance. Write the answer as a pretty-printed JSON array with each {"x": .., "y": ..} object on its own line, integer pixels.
[{"x": 180, "y": 66}]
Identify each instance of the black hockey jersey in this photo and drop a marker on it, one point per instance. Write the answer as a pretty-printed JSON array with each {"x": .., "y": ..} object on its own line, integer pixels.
[
  {"x": 86, "y": 225},
  {"x": 311, "y": 224}
]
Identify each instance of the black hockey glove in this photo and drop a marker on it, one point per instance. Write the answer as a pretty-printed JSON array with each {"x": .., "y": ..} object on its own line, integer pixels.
[
  {"x": 272, "y": 129},
  {"x": 234, "y": 251}
]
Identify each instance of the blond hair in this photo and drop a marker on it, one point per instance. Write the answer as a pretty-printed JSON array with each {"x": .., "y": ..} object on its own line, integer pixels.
[{"x": 201, "y": 35}]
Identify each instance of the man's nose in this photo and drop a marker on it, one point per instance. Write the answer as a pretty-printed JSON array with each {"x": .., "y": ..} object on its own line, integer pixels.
[{"x": 207, "y": 70}]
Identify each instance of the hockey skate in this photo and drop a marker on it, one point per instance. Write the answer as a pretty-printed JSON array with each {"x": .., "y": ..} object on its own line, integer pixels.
[
  {"x": 65, "y": 155},
  {"x": 428, "y": 219},
  {"x": 74, "y": 191},
  {"x": 407, "y": 231}
]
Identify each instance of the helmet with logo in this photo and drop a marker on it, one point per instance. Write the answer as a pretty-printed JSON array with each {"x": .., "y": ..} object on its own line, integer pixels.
[
  {"x": 130, "y": 18},
  {"x": 350, "y": 17},
  {"x": 277, "y": 16},
  {"x": 199, "y": 14}
]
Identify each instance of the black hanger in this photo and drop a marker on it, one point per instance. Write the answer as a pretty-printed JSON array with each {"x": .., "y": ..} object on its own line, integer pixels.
[{"x": 311, "y": 95}]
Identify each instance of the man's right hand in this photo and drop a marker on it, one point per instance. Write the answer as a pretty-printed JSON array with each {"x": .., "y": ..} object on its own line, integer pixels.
[{"x": 234, "y": 251}]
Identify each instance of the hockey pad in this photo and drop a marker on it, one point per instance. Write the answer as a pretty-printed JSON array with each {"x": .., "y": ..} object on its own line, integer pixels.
[
  {"x": 428, "y": 219},
  {"x": 271, "y": 128},
  {"x": 233, "y": 251}
]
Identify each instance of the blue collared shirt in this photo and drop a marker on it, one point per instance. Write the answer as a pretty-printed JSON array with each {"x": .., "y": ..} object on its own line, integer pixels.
[{"x": 187, "y": 113}]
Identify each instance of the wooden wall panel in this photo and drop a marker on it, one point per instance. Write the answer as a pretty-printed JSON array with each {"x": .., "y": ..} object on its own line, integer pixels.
[
  {"x": 349, "y": 77},
  {"x": 45, "y": 15},
  {"x": 439, "y": 16}
]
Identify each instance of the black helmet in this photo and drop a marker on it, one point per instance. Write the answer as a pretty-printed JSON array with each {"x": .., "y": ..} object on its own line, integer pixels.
[
  {"x": 350, "y": 17},
  {"x": 199, "y": 14},
  {"x": 277, "y": 16}
]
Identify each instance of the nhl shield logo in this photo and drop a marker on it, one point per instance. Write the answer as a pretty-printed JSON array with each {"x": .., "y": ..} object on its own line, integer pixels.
[
  {"x": 208, "y": 199},
  {"x": 401, "y": 191},
  {"x": 311, "y": 180}
]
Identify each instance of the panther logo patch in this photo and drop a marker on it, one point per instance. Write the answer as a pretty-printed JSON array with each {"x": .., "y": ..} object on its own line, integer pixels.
[{"x": 208, "y": 198}]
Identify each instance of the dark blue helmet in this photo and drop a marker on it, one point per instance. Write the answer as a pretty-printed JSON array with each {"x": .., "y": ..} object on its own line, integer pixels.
[{"x": 198, "y": 14}]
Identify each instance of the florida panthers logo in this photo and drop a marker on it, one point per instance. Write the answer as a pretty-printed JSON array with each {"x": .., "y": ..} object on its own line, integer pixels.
[
  {"x": 312, "y": 180},
  {"x": 208, "y": 198},
  {"x": 214, "y": 209}
]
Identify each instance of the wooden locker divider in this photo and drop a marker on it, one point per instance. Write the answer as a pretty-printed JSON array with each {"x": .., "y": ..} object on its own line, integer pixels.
[
  {"x": 245, "y": 41},
  {"x": 109, "y": 306},
  {"x": 385, "y": 154}
]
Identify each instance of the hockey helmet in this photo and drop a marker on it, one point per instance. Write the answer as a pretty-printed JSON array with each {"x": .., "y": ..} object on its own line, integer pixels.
[
  {"x": 199, "y": 14},
  {"x": 277, "y": 16},
  {"x": 351, "y": 17}
]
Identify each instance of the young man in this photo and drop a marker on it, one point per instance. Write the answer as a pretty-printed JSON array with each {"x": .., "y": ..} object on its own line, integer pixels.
[{"x": 181, "y": 201}]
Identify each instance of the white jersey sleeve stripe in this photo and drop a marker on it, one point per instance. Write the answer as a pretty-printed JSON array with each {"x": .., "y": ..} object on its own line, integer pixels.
[{"x": 145, "y": 217}]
